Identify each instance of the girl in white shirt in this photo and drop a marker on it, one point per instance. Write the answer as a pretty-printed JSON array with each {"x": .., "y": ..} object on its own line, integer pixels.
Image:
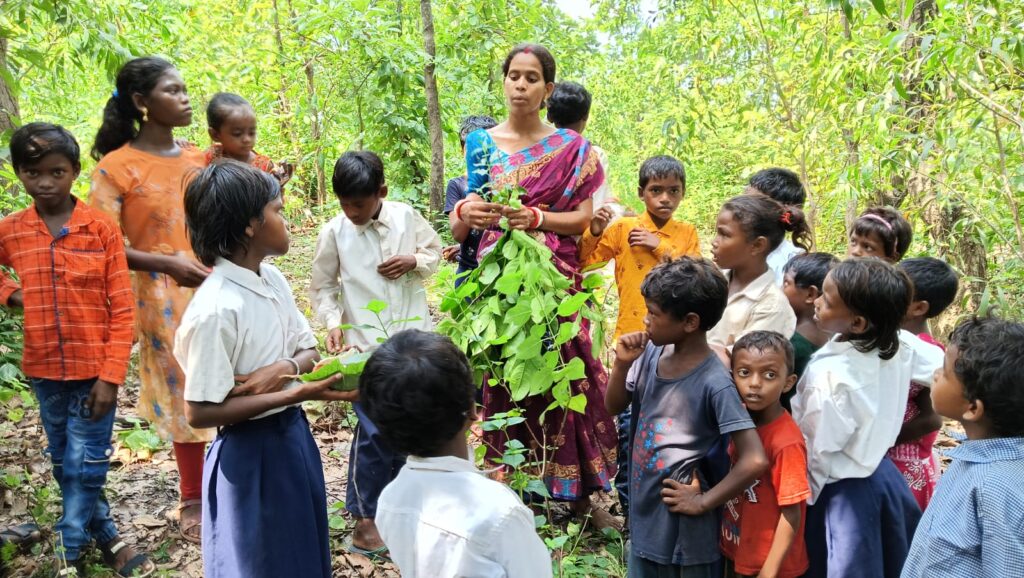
[
  {"x": 240, "y": 342},
  {"x": 849, "y": 406}
]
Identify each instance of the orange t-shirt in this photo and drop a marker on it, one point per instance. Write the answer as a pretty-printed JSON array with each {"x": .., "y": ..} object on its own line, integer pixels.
[{"x": 749, "y": 520}]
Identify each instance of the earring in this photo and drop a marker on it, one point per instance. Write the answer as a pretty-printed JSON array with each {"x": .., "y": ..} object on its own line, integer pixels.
[{"x": 145, "y": 114}]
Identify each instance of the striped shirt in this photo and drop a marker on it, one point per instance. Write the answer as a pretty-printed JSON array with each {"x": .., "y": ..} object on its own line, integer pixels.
[
  {"x": 79, "y": 309},
  {"x": 974, "y": 525}
]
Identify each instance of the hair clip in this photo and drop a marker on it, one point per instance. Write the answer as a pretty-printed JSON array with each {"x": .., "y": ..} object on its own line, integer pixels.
[
  {"x": 527, "y": 50},
  {"x": 113, "y": 94},
  {"x": 786, "y": 218}
]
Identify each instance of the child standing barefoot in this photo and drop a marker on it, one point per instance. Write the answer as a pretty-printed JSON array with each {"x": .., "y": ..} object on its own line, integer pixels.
[{"x": 240, "y": 342}]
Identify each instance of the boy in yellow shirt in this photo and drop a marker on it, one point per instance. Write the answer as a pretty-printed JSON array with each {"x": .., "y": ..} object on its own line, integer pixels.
[{"x": 637, "y": 244}]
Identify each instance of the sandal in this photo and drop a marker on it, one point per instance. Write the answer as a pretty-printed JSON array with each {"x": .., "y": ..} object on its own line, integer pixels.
[
  {"x": 138, "y": 566},
  {"x": 191, "y": 532},
  {"x": 376, "y": 555},
  {"x": 21, "y": 535}
]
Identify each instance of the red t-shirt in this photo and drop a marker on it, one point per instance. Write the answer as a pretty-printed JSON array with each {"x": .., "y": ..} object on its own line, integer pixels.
[{"x": 749, "y": 520}]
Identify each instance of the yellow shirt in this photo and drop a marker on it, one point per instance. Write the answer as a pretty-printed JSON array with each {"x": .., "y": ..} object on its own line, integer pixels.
[{"x": 632, "y": 264}]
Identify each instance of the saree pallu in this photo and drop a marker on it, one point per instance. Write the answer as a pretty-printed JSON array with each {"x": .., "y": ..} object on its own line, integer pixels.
[{"x": 557, "y": 173}]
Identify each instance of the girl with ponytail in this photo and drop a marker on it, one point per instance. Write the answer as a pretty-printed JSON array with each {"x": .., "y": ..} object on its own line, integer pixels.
[
  {"x": 748, "y": 229},
  {"x": 140, "y": 182}
]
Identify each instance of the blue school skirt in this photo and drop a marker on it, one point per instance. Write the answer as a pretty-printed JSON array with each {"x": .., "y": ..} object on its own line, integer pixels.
[
  {"x": 862, "y": 527},
  {"x": 264, "y": 501}
]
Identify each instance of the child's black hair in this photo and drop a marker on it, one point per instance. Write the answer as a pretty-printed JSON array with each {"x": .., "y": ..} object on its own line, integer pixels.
[
  {"x": 762, "y": 341},
  {"x": 890, "y": 226},
  {"x": 781, "y": 184},
  {"x": 660, "y": 167},
  {"x": 475, "y": 122},
  {"x": 120, "y": 114},
  {"x": 418, "y": 389},
  {"x": 810, "y": 269},
  {"x": 220, "y": 202},
  {"x": 988, "y": 364},
  {"x": 220, "y": 107},
  {"x": 878, "y": 292},
  {"x": 568, "y": 104},
  {"x": 547, "y": 61},
  {"x": 357, "y": 174},
  {"x": 762, "y": 216},
  {"x": 35, "y": 140},
  {"x": 688, "y": 285},
  {"x": 934, "y": 281}
]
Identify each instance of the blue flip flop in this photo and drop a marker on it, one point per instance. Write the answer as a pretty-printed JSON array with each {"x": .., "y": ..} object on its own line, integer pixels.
[{"x": 376, "y": 555}]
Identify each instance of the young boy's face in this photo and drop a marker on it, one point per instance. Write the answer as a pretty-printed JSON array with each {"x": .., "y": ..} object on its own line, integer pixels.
[
  {"x": 362, "y": 209},
  {"x": 272, "y": 234},
  {"x": 761, "y": 377},
  {"x": 662, "y": 327},
  {"x": 661, "y": 196},
  {"x": 800, "y": 298},
  {"x": 48, "y": 181},
  {"x": 947, "y": 390}
]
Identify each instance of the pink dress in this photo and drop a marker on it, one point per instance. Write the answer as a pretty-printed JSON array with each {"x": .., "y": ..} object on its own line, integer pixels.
[{"x": 916, "y": 459}]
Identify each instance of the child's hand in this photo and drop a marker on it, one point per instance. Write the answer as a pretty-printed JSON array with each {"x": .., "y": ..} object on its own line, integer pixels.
[
  {"x": 639, "y": 237},
  {"x": 335, "y": 341},
  {"x": 102, "y": 399},
  {"x": 321, "y": 390},
  {"x": 685, "y": 499},
  {"x": 397, "y": 266},
  {"x": 186, "y": 272},
  {"x": 450, "y": 253},
  {"x": 283, "y": 171},
  {"x": 600, "y": 221},
  {"x": 631, "y": 346},
  {"x": 266, "y": 379},
  {"x": 16, "y": 300}
]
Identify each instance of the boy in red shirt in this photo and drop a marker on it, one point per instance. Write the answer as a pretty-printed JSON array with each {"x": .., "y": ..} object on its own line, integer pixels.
[
  {"x": 79, "y": 317},
  {"x": 762, "y": 528}
]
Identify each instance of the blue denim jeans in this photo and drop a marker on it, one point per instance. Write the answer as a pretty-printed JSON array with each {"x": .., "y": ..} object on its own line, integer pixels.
[{"x": 80, "y": 450}]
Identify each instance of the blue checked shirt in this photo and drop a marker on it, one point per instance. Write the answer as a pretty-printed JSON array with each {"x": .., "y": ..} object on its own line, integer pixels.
[{"x": 974, "y": 525}]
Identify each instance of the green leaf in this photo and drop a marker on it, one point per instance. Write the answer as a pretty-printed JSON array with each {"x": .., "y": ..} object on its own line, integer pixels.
[
  {"x": 578, "y": 403},
  {"x": 571, "y": 305},
  {"x": 489, "y": 273},
  {"x": 376, "y": 306},
  {"x": 593, "y": 281},
  {"x": 509, "y": 284},
  {"x": 880, "y": 7}
]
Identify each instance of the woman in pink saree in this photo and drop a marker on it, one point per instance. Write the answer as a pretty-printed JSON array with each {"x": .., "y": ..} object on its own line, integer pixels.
[{"x": 559, "y": 171}]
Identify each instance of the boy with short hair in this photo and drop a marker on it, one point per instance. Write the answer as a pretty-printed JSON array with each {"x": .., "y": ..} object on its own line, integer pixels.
[
  {"x": 442, "y": 516},
  {"x": 762, "y": 528},
  {"x": 374, "y": 250},
  {"x": 684, "y": 401},
  {"x": 637, "y": 244},
  {"x": 802, "y": 280},
  {"x": 784, "y": 186},
  {"x": 79, "y": 316},
  {"x": 468, "y": 238},
  {"x": 972, "y": 527}
]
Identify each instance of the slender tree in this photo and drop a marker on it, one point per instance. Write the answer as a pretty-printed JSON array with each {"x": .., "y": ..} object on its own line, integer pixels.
[{"x": 433, "y": 112}]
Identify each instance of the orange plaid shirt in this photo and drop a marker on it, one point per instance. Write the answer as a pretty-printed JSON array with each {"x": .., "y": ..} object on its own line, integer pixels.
[{"x": 79, "y": 308}]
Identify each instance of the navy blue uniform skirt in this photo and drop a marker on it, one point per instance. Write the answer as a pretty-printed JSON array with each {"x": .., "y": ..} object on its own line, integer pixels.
[
  {"x": 862, "y": 527},
  {"x": 264, "y": 501}
]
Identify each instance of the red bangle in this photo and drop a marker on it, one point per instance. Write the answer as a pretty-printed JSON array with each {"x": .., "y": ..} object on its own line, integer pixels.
[
  {"x": 540, "y": 218},
  {"x": 458, "y": 209}
]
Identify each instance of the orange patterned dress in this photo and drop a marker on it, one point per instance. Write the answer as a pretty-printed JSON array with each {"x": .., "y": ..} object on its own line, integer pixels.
[{"x": 144, "y": 193}]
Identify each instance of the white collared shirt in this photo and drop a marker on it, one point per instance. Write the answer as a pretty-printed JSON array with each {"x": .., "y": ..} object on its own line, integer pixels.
[
  {"x": 778, "y": 258},
  {"x": 345, "y": 277},
  {"x": 850, "y": 405},
  {"x": 236, "y": 323},
  {"x": 442, "y": 518},
  {"x": 760, "y": 306}
]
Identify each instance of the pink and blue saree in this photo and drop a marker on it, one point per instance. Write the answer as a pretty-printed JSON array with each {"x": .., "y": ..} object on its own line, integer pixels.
[{"x": 558, "y": 173}]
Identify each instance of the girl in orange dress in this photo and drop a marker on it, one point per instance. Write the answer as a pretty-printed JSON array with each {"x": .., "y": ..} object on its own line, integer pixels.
[{"x": 140, "y": 182}]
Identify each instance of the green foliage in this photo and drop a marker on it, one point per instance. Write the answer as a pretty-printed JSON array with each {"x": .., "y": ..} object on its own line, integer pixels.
[{"x": 139, "y": 439}]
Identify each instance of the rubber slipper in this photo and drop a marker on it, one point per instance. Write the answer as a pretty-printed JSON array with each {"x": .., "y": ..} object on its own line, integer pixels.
[
  {"x": 134, "y": 567},
  {"x": 183, "y": 530},
  {"x": 21, "y": 535},
  {"x": 376, "y": 555}
]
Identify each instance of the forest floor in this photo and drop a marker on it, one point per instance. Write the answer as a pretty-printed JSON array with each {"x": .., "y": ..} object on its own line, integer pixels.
[{"x": 142, "y": 485}]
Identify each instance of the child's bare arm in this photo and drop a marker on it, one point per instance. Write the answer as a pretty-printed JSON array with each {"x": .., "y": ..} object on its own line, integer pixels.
[
  {"x": 925, "y": 423},
  {"x": 628, "y": 349},
  {"x": 785, "y": 534},
  {"x": 751, "y": 462},
  {"x": 233, "y": 410},
  {"x": 273, "y": 377}
]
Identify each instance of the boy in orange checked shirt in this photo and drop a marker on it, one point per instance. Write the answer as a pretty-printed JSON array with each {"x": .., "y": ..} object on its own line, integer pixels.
[
  {"x": 637, "y": 244},
  {"x": 79, "y": 315}
]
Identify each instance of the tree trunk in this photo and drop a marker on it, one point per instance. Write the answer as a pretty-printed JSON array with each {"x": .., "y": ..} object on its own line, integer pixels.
[
  {"x": 284, "y": 107},
  {"x": 852, "y": 147},
  {"x": 9, "y": 112},
  {"x": 433, "y": 113},
  {"x": 315, "y": 134}
]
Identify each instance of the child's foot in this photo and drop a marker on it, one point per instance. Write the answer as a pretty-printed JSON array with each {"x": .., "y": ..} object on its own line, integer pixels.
[
  {"x": 365, "y": 535},
  {"x": 190, "y": 520},
  {"x": 125, "y": 560}
]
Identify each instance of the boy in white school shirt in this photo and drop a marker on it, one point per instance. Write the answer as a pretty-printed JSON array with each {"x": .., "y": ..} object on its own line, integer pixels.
[
  {"x": 374, "y": 250},
  {"x": 441, "y": 517}
]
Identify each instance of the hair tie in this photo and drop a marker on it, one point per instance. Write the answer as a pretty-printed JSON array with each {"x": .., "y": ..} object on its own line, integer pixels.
[
  {"x": 874, "y": 217},
  {"x": 114, "y": 94},
  {"x": 786, "y": 218},
  {"x": 527, "y": 50}
]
